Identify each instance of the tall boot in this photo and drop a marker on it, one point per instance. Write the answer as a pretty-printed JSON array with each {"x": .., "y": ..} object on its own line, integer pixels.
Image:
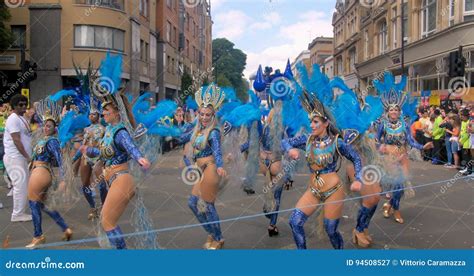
[
  {"x": 116, "y": 238},
  {"x": 330, "y": 225},
  {"x": 297, "y": 221}
]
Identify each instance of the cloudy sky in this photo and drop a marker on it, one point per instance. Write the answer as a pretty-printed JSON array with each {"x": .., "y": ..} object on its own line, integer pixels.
[{"x": 271, "y": 31}]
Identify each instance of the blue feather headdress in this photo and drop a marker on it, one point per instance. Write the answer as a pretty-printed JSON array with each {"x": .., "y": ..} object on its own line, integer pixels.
[
  {"x": 71, "y": 124},
  {"x": 154, "y": 119},
  {"x": 391, "y": 94},
  {"x": 319, "y": 99}
]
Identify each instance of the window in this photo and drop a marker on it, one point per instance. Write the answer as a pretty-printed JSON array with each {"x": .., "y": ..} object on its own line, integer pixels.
[
  {"x": 143, "y": 50},
  {"x": 187, "y": 48},
  {"x": 468, "y": 6},
  {"x": 19, "y": 36},
  {"x": 168, "y": 31},
  {"x": 339, "y": 66},
  {"x": 99, "y": 37},
  {"x": 84, "y": 36},
  {"x": 383, "y": 46},
  {"x": 366, "y": 44},
  {"x": 405, "y": 21},
  {"x": 188, "y": 19},
  {"x": 103, "y": 37},
  {"x": 352, "y": 59},
  {"x": 119, "y": 40},
  {"x": 452, "y": 8},
  {"x": 430, "y": 84},
  {"x": 172, "y": 66},
  {"x": 468, "y": 10},
  {"x": 143, "y": 7},
  {"x": 175, "y": 36},
  {"x": 428, "y": 17},
  {"x": 114, "y": 4},
  {"x": 394, "y": 28}
]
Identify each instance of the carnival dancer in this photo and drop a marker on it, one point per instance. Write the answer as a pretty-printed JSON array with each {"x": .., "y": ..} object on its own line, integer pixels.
[
  {"x": 205, "y": 142},
  {"x": 357, "y": 122},
  {"x": 92, "y": 137},
  {"x": 394, "y": 137},
  {"x": 323, "y": 149},
  {"x": 283, "y": 115},
  {"x": 115, "y": 149},
  {"x": 46, "y": 155}
]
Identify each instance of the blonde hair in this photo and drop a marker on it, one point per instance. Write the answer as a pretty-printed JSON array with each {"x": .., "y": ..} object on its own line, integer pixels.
[{"x": 206, "y": 131}]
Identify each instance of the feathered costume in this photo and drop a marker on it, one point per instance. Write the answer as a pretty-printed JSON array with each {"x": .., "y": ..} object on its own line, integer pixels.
[
  {"x": 284, "y": 120},
  {"x": 205, "y": 143},
  {"x": 46, "y": 155},
  {"x": 396, "y": 133},
  {"x": 126, "y": 141},
  {"x": 323, "y": 153}
]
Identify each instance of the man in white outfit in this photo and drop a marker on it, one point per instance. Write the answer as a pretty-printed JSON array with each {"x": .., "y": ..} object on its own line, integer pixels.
[{"x": 17, "y": 144}]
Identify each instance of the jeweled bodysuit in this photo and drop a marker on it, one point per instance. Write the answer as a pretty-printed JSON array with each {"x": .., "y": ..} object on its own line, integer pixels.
[
  {"x": 92, "y": 136},
  {"x": 115, "y": 149},
  {"x": 397, "y": 133},
  {"x": 322, "y": 155},
  {"x": 202, "y": 150},
  {"x": 46, "y": 154}
]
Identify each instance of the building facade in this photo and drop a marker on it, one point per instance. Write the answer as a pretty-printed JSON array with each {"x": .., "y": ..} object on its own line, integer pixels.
[
  {"x": 430, "y": 29},
  {"x": 57, "y": 34},
  {"x": 159, "y": 41},
  {"x": 346, "y": 24},
  {"x": 328, "y": 67},
  {"x": 303, "y": 57},
  {"x": 184, "y": 43},
  {"x": 320, "y": 49}
]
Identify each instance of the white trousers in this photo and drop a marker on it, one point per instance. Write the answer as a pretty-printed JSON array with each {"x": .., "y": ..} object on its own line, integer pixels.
[{"x": 17, "y": 170}]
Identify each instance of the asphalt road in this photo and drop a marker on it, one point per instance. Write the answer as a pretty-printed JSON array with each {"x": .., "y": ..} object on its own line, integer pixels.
[{"x": 440, "y": 216}]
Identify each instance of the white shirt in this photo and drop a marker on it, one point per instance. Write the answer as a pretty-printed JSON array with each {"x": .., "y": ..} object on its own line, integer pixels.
[
  {"x": 16, "y": 124},
  {"x": 429, "y": 126}
]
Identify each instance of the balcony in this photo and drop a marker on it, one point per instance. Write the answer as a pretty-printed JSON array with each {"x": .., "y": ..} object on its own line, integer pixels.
[{"x": 112, "y": 4}]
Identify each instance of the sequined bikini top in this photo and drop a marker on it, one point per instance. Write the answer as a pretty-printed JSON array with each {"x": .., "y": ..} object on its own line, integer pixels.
[
  {"x": 94, "y": 134},
  {"x": 107, "y": 145},
  {"x": 395, "y": 133},
  {"x": 40, "y": 147},
  {"x": 198, "y": 145},
  {"x": 320, "y": 152}
]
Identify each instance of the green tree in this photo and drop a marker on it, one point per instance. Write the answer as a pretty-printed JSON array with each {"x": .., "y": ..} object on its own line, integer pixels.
[
  {"x": 223, "y": 81},
  {"x": 6, "y": 37},
  {"x": 186, "y": 82},
  {"x": 229, "y": 62}
]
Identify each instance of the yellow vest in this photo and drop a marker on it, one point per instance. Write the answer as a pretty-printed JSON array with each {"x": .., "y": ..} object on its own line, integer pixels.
[{"x": 464, "y": 136}]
